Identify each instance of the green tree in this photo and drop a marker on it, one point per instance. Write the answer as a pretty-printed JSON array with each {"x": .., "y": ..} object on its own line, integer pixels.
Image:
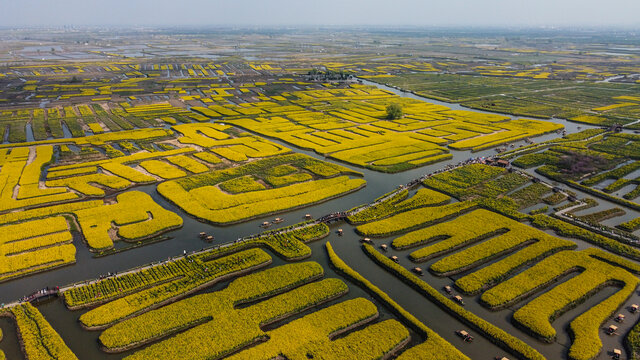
[{"x": 394, "y": 111}]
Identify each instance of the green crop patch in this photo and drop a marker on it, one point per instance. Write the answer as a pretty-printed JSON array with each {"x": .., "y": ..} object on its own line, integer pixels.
[
  {"x": 417, "y": 218},
  {"x": 396, "y": 204},
  {"x": 504, "y": 236},
  {"x": 131, "y": 216},
  {"x": 312, "y": 334},
  {"x": 241, "y": 185},
  {"x": 141, "y": 301},
  {"x": 246, "y": 198},
  {"x": 587, "y": 163},
  {"x": 217, "y": 319},
  {"x": 538, "y": 314},
  {"x": 497, "y": 335},
  {"x": 433, "y": 347},
  {"x": 38, "y": 338},
  {"x": 185, "y": 274},
  {"x": 528, "y": 92}
]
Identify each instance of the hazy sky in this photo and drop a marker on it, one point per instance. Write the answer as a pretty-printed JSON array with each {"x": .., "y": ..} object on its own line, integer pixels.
[{"x": 322, "y": 12}]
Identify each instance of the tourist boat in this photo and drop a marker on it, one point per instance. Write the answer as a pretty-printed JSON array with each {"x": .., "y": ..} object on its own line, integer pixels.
[
  {"x": 366, "y": 241},
  {"x": 612, "y": 330},
  {"x": 383, "y": 247},
  {"x": 394, "y": 258},
  {"x": 458, "y": 299},
  {"x": 617, "y": 353},
  {"x": 448, "y": 289},
  {"x": 465, "y": 335},
  {"x": 619, "y": 318},
  {"x": 277, "y": 220},
  {"x": 418, "y": 271}
]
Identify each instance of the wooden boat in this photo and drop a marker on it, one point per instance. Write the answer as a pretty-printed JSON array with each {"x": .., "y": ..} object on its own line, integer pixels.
[
  {"x": 465, "y": 335},
  {"x": 418, "y": 271},
  {"x": 266, "y": 224},
  {"x": 617, "y": 353},
  {"x": 448, "y": 289},
  {"x": 339, "y": 232},
  {"x": 277, "y": 220},
  {"x": 203, "y": 235},
  {"x": 383, "y": 247},
  {"x": 307, "y": 216},
  {"x": 366, "y": 241},
  {"x": 458, "y": 299},
  {"x": 394, "y": 258},
  {"x": 634, "y": 308},
  {"x": 612, "y": 330},
  {"x": 619, "y": 318}
]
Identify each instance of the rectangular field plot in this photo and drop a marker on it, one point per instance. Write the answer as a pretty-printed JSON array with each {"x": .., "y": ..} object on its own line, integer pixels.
[
  {"x": 350, "y": 125},
  {"x": 34, "y": 246}
]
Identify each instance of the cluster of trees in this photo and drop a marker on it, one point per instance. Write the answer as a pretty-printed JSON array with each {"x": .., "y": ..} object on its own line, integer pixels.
[
  {"x": 394, "y": 111},
  {"x": 319, "y": 75}
]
